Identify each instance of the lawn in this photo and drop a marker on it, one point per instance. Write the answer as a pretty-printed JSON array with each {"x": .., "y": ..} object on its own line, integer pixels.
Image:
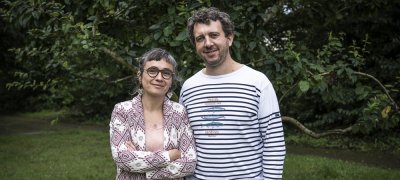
[
  {"x": 313, "y": 167},
  {"x": 85, "y": 154},
  {"x": 70, "y": 154}
]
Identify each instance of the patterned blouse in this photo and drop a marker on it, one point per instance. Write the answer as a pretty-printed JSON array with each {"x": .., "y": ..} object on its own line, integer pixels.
[{"x": 127, "y": 124}]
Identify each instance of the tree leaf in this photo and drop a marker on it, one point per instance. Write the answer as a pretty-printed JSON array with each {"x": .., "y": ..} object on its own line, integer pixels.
[
  {"x": 181, "y": 36},
  {"x": 304, "y": 86},
  {"x": 252, "y": 45},
  {"x": 385, "y": 112},
  {"x": 157, "y": 35},
  {"x": 154, "y": 27},
  {"x": 167, "y": 31}
]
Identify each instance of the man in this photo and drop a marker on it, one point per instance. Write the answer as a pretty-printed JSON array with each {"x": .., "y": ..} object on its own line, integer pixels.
[{"x": 232, "y": 108}]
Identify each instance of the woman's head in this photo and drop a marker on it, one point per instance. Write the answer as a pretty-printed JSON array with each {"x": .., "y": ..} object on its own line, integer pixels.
[{"x": 157, "y": 71}]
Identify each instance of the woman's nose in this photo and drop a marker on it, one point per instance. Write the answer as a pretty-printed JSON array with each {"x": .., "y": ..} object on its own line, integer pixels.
[{"x": 159, "y": 76}]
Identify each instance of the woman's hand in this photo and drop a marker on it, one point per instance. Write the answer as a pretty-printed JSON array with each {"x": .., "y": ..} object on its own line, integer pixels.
[
  {"x": 174, "y": 154},
  {"x": 130, "y": 145}
]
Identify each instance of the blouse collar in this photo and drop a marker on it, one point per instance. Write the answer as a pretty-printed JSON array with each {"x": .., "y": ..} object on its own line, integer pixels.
[{"x": 137, "y": 104}]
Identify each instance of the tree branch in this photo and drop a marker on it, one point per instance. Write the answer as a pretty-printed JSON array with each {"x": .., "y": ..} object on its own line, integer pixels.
[
  {"x": 104, "y": 79},
  {"x": 120, "y": 60},
  {"x": 361, "y": 74},
  {"x": 288, "y": 91},
  {"x": 313, "y": 134},
  {"x": 121, "y": 79},
  {"x": 381, "y": 85}
]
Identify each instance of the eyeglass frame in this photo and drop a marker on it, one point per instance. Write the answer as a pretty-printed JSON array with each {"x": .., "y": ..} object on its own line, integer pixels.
[{"x": 163, "y": 71}]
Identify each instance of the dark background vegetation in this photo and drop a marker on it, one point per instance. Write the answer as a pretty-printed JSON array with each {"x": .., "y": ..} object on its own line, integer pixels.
[{"x": 333, "y": 63}]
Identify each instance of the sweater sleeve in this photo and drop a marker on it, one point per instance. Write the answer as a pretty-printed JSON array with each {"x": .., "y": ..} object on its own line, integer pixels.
[
  {"x": 186, "y": 164},
  {"x": 125, "y": 158},
  {"x": 272, "y": 133}
]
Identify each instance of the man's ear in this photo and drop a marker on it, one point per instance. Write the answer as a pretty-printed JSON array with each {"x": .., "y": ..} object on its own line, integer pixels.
[{"x": 230, "y": 39}]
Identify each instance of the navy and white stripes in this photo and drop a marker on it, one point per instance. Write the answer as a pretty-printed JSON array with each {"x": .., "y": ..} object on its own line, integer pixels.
[{"x": 236, "y": 124}]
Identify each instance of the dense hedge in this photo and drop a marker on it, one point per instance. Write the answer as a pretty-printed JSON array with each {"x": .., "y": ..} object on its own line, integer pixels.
[{"x": 326, "y": 59}]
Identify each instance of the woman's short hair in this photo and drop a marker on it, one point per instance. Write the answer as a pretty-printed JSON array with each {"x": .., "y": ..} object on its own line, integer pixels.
[{"x": 157, "y": 54}]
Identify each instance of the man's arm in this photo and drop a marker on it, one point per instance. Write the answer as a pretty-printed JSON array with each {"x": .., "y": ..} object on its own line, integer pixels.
[{"x": 272, "y": 133}]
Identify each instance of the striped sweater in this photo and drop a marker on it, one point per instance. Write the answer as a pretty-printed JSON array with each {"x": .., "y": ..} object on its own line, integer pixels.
[{"x": 236, "y": 125}]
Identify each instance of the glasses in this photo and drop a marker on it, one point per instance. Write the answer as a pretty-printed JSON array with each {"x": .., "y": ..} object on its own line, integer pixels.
[{"x": 153, "y": 72}]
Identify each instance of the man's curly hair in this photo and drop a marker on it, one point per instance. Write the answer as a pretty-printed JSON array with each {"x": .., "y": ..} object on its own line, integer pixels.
[{"x": 204, "y": 15}]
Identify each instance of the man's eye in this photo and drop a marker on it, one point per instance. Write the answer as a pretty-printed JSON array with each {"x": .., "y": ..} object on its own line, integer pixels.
[
  {"x": 199, "y": 39},
  {"x": 214, "y": 35}
]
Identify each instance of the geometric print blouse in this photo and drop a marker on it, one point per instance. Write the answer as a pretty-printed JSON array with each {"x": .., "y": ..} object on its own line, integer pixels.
[{"x": 127, "y": 124}]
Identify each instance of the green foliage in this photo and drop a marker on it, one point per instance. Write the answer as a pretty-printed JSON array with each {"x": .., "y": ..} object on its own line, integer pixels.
[
  {"x": 320, "y": 68},
  {"x": 332, "y": 93},
  {"x": 339, "y": 95},
  {"x": 377, "y": 114},
  {"x": 63, "y": 54}
]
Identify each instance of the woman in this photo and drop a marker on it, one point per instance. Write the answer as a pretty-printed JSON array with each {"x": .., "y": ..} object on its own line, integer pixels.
[{"x": 150, "y": 135}]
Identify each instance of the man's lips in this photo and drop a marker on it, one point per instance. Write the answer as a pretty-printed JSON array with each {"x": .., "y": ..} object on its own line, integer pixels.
[{"x": 210, "y": 51}]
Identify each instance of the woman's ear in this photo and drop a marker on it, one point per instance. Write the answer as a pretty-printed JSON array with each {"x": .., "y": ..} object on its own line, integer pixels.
[{"x": 139, "y": 77}]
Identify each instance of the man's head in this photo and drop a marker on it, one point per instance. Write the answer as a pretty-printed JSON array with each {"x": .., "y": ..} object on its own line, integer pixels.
[{"x": 204, "y": 16}]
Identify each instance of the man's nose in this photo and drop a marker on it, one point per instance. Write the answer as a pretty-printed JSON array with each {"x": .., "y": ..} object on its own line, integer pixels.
[{"x": 208, "y": 42}]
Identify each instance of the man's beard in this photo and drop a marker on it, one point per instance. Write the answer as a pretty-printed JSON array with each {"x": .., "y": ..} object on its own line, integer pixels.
[{"x": 220, "y": 59}]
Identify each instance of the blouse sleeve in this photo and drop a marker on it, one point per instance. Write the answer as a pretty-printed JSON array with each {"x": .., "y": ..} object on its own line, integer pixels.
[
  {"x": 186, "y": 164},
  {"x": 127, "y": 159}
]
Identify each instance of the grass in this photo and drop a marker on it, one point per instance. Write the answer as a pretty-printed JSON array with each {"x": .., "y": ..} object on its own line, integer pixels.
[
  {"x": 312, "y": 167},
  {"x": 42, "y": 114},
  {"x": 85, "y": 154},
  {"x": 70, "y": 154},
  {"x": 380, "y": 143}
]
